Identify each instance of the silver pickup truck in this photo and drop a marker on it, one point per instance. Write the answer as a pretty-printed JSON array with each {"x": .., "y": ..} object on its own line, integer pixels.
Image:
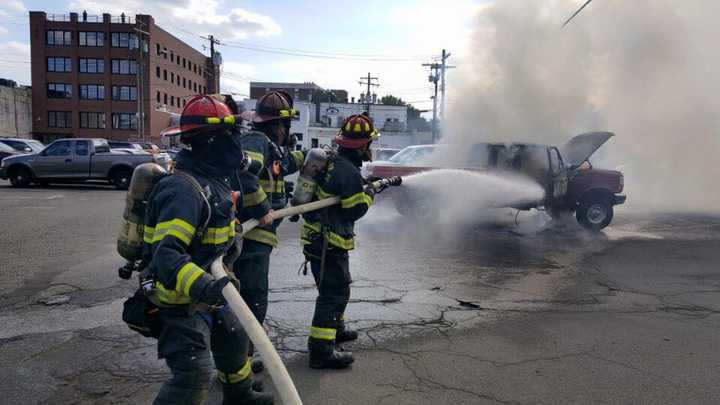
[{"x": 75, "y": 160}]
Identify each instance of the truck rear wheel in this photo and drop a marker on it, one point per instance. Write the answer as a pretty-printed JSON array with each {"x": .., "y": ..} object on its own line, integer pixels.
[
  {"x": 595, "y": 214},
  {"x": 121, "y": 179},
  {"x": 20, "y": 177}
]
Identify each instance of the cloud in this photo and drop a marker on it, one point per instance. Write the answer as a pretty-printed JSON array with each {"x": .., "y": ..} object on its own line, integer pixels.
[
  {"x": 236, "y": 77},
  {"x": 12, "y": 64},
  {"x": 200, "y": 17},
  {"x": 13, "y": 6}
]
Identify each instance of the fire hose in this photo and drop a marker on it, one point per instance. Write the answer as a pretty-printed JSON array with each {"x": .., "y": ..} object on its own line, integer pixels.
[{"x": 271, "y": 359}]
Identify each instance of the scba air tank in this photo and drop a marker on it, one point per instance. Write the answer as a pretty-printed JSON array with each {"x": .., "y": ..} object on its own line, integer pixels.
[
  {"x": 315, "y": 163},
  {"x": 130, "y": 239}
]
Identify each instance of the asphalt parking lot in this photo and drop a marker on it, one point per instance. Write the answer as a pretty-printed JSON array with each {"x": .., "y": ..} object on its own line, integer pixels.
[{"x": 465, "y": 313}]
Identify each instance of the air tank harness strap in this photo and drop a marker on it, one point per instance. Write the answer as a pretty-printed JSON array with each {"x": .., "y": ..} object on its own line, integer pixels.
[{"x": 303, "y": 267}]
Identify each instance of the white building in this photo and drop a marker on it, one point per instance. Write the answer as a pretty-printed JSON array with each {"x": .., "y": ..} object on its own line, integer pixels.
[
  {"x": 385, "y": 117},
  {"x": 317, "y": 126}
]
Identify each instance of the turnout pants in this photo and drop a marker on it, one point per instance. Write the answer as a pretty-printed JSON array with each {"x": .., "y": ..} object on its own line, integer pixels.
[
  {"x": 252, "y": 269},
  {"x": 186, "y": 344},
  {"x": 333, "y": 284}
]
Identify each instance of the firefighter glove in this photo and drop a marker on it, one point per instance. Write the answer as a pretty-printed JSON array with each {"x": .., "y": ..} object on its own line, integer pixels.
[{"x": 212, "y": 293}]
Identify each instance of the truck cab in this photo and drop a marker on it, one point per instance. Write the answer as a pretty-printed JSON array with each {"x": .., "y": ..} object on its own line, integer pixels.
[{"x": 74, "y": 160}]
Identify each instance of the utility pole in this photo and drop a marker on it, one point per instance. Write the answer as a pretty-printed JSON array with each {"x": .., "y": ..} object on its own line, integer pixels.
[
  {"x": 140, "y": 93},
  {"x": 369, "y": 82},
  {"x": 443, "y": 67},
  {"x": 215, "y": 72},
  {"x": 434, "y": 77}
]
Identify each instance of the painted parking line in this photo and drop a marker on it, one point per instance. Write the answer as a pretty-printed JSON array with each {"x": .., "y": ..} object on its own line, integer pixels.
[{"x": 51, "y": 197}]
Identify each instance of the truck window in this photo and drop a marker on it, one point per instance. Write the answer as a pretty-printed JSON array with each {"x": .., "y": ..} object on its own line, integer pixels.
[
  {"x": 81, "y": 148},
  {"x": 479, "y": 156},
  {"x": 101, "y": 147},
  {"x": 59, "y": 148},
  {"x": 555, "y": 162}
]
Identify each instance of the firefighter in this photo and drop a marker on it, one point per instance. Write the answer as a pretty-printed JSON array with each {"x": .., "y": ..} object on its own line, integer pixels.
[
  {"x": 189, "y": 223},
  {"x": 266, "y": 143},
  {"x": 327, "y": 236}
]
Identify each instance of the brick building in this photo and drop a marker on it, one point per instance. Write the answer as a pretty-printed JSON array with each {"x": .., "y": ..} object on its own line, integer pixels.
[
  {"x": 308, "y": 91},
  {"x": 91, "y": 77}
]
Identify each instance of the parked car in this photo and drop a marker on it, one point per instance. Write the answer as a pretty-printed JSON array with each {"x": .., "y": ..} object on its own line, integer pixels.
[
  {"x": 570, "y": 181},
  {"x": 75, "y": 160},
  {"x": 6, "y": 151},
  {"x": 23, "y": 145},
  {"x": 382, "y": 154}
]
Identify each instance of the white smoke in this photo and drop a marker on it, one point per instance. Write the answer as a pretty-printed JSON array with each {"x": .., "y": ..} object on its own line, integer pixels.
[{"x": 644, "y": 69}]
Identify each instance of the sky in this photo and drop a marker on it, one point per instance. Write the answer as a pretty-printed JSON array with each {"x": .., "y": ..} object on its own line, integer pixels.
[{"x": 409, "y": 32}]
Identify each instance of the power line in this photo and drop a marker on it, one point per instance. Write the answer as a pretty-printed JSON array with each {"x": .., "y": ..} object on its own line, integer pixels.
[
  {"x": 324, "y": 53},
  {"x": 576, "y": 13}
]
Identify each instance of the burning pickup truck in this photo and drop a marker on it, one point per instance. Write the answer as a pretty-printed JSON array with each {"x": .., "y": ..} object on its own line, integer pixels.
[{"x": 570, "y": 182}]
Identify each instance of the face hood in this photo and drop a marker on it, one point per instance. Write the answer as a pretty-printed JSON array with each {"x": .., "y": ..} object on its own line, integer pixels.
[{"x": 579, "y": 148}]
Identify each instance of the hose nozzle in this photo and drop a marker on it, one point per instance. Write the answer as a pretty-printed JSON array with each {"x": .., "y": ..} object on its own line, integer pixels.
[{"x": 382, "y": 184}]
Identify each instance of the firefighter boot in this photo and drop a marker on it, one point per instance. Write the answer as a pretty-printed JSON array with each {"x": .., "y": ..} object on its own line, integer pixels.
[
  {"x": 324, "y": 355},
  {"x": 243, "y": 393},
  {"x": 343, "y": 334}
]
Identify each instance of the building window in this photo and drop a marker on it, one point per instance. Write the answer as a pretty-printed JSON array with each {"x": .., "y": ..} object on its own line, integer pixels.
[
  {"x": 172, "y": 77},
  {"x": 195, "y": 87},
  {"x": 59, "y": 119},
  {"x": 165, "y": 99},
  {"x": 92, "y": 92},
  {"x": 157, "y": 49},
  {"x": 124, "y": 93},
  {"x": 59, "y": 64},
  {"x": 194, "y": 68},
  {"x": 157, "y": 96},
  {"x": 124, "y": 40},
  {"x": 93, "y": 120},
  {"x": 184, "y": 60},
  {"x": 124, "y": 66},
  {"x": 124, "y": 121},
  {"x": 92, "y": 65},
  {"x": 59, "y": 38},
  {"x": 184, "y": 102},
  {"x": 164, "y": 74},
  {"x": 59, "y": 90},
  {"x": 157, "y": 71},
  {"x": 172, "y": 101},
  {"x": 165, "y": 53},
  {"x": 91, "y": 38},
  {"x": 184, "y": 83},
  {"x": 172, "y": 57}
]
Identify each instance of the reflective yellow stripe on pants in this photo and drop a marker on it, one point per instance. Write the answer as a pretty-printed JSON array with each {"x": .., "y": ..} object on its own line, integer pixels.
[
  {"x": 238, "y": 376},
  {"x": 322, "y": 333}
]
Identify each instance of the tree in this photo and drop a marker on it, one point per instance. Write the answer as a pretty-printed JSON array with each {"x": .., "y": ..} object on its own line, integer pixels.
[{"x": 415, "y": 121}]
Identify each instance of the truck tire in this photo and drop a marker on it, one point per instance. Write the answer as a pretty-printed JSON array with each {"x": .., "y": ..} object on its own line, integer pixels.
[
  {"x": 20, "y": 177},
  {"x": 121, "y": 179},
  {"x": 423, "y": 209},
  {"x": 595, "y": 214}
]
